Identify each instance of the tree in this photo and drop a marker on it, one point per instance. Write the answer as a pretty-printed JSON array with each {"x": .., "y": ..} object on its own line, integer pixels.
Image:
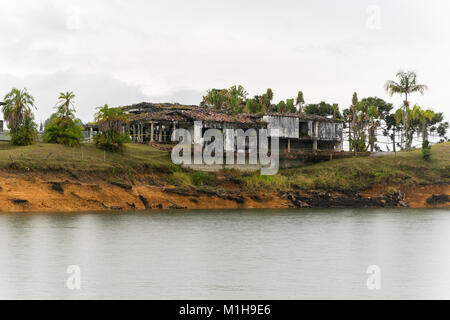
[
  {"x": 442, "y": 130},
  {"x": 423, "y": 117},
  {"x": 322, "y": 109},
  {"x": 17, "y": 110},
  {"x": 65, "y": 103},
  {"x": 354, "y": 117},
  {"x": 391, "y": 129},
  {"x": 62, "y": 127},
  {"x": 235, "y": 98},
  {"x": 215, "y": 98},
  {"x": 232, "y": 99},
  {"x": 290, "y": 106},
  {"x": 300, "y": 101},
  {"x": 266, "y": 100},
  {"x": 426, "y": 150},
  {"x": 335, "y": 110},
  {"x": 406, "y": 85},
  {"x": 253, "y": 105},
  {"x": 375, "y": 110},
  {"x": 110, "y": 122},
  {"x": 281, "y": 107},
  {"x": 372, "y": 115},
  {"x": 348, "y": 117},
  {"x": 17, "y": 105}
]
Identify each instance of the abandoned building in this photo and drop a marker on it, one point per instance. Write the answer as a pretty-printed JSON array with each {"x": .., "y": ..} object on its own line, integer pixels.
[{"x": 151, "y": 122}]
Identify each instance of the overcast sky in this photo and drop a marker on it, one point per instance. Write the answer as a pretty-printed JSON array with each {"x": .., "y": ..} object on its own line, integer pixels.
[{"x": 122, "y": 52}]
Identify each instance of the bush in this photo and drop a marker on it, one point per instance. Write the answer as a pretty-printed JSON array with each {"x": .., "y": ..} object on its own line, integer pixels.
[
  {"x": 25, "y": 134},
  {"x": 200, "y": 178},
  {"x": 64, "y": 131},
  {"x": 172, "y": 167},
  {"x": 111, "y": 140},
  {"x": 426, "y": 150},
  {"x": 359, "y": 145}
]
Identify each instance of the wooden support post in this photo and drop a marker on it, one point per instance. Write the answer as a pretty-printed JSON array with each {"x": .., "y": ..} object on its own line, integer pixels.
[
  {"x": 289, "y": 145},
  {"x": 160, "y": 133}
]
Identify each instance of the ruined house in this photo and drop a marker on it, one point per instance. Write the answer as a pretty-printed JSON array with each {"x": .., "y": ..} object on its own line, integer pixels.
[{"x": 151, "y": 122}]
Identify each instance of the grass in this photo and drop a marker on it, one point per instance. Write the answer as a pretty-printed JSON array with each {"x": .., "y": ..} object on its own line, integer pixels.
[
  {"x": 406, "y": 168},
  {"x": 44, "y": 156}
]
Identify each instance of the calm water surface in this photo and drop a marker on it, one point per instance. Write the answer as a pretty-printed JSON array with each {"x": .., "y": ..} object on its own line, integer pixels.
[{"x": 227, "y": 254}]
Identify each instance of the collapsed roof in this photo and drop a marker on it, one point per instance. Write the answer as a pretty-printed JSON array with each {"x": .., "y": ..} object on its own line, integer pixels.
[{"x": 166, "y": 112}]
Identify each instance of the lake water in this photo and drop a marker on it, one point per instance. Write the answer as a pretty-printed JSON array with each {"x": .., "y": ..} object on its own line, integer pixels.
[{"x": 251, "y": 254}]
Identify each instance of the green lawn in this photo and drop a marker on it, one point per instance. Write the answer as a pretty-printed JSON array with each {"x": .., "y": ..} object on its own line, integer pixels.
[
  {"x": 406, "y": 168},
  {"x": 87, "y": 158}
]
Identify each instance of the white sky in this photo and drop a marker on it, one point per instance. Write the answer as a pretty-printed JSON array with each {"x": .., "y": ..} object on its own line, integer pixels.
[{"x": 127, "y": 51}]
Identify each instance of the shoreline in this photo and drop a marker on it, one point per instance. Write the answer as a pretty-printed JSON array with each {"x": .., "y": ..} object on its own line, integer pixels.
[{"x": 60, "y": 192}]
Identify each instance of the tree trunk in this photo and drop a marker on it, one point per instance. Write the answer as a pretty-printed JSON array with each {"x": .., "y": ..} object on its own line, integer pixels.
[
  {"x": 424, "y": 132},
  {"x": 349, "y": 136},
  {"x": 393, "y": 142}
]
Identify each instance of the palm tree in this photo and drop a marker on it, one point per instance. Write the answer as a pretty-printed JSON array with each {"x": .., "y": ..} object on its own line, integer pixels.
[
  {"x": 335, "y": 110},
  {"x": 111, "y": 122},
  {"x": 64, "y": 103},
  {"x": 17, "y": 107},
  {"x": 423, "y": 117},
  {"x": 406, "y": 85},
  {"x": 110, "y": 119}
]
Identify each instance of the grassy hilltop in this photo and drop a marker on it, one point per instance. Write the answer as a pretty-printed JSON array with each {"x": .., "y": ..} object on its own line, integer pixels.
[{"x": 405, "y": 168}]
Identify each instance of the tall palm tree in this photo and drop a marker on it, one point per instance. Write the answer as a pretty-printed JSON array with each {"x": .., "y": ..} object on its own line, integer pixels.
[
  {"x": 65, "y": 102},
  {"x": 406, "y": 85},
  {"x": 17, "y": 107}
]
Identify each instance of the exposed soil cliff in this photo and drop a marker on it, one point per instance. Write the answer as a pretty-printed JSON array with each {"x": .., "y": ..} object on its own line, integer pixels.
[{"x": 61, "y": 192}]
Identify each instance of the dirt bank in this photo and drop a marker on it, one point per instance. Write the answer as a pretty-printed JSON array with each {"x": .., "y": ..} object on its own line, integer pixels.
[{"x": 53, "y": 192}]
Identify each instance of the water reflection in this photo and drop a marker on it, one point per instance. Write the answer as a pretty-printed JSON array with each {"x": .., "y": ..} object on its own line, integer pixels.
[{"x": 227, "y": 254}]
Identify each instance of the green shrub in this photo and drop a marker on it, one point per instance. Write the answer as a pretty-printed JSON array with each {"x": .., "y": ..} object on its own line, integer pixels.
[
  {"x": 200, "y": 178},
  {"x": 111, "y": 140},
  {"x": 172, "y": 168},
  {"x": 64, "y": 131},
  {"x": 25, "y": 134},
  {"x": 426, "y": 150}
]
